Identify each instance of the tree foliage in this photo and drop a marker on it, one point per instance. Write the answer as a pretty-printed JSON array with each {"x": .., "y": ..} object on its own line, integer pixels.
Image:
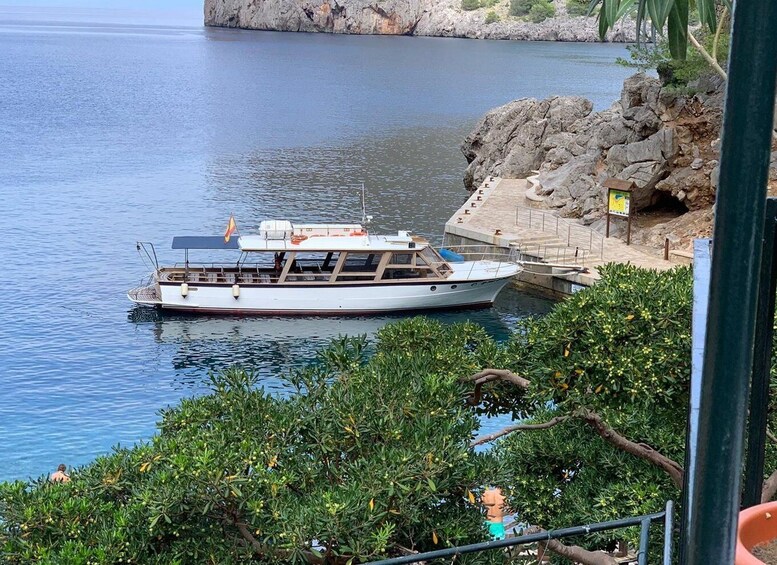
[
  {"x": 536, "y": 10},
  {"x": 373, "y": 453},
  {"x": 367, "y": 457},
  {"x": 669, "y": 15},
  {"x": 541, "y": 11},
  {"x": 674, "y": 73},
  {"x": 577, "y": 7},
  {"x": 621, "y": 350}
]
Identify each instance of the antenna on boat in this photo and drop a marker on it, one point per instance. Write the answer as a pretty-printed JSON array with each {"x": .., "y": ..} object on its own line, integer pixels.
[{"x": 365, "y": 218}]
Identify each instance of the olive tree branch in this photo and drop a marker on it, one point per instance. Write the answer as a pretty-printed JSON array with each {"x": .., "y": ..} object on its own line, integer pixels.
[
  {"x": 707, "y": 57},
  {"x": 641, "y": 450},
  {"x": 488, "y": 375},
  {"x": 519, "y": 427},
  {"x": 574, "y": 553}
]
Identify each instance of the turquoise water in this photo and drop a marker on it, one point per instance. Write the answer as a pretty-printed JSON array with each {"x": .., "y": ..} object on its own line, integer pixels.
[{"x": 116, "y": 132}]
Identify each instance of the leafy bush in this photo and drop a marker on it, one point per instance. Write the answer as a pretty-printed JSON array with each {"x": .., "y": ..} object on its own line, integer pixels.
[
  {"x": 366, "y": 456},
  {"x": 492, "y": 17},
  {"x": 521, "y": 7},
  {"x": 469, "y": 5},
  {"x": 622, "y": 350},
  {"x": 577, "y": 7},
  {"x": 490, "y": 3},
  {"x": 674, "y": 73},
  {"x": 372, "y": 453},
  {"x": 541, "y": 11},
  {"x": 536, "y": 10}
]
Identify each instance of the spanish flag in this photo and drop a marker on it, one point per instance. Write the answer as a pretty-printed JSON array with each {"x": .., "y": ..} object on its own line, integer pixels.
[{"x": 231, "y": 227}]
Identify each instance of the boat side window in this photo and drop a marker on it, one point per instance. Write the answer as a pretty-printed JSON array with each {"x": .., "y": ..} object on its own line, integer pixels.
[
  {"x": 361, "y": 263},
  {"x": 435, "y": 261},
  {"x": 405, "y": 266},
  {"x": 429, "y": 256},
  {"x": 401, "y": 259},
  {"x": 307, "y": 267}
]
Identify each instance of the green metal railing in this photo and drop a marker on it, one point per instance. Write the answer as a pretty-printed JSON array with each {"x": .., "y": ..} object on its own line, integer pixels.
[
  {"x": 666, "y": 516},
  {"x": 711, "y": 512}
]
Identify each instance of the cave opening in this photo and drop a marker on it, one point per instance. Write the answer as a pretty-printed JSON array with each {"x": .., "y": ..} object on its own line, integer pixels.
[{"x": 664, "y": 204}]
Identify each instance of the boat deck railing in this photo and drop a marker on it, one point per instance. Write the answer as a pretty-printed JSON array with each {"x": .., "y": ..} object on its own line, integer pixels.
[
  {"x": 483, "y": 252},
  {"x": 303, "y": 270},
  {"x": 501, "y": 259}
]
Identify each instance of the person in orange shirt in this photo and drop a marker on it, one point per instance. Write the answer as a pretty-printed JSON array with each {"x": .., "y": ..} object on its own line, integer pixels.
[
  {"x": 494, "y": 502},
  {"x": 60, "y": 476}
]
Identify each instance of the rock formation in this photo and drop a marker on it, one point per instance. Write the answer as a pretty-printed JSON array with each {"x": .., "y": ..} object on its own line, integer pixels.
[
  {"x": 438, "y": 18},
  {"x": 665, "y": 142}
]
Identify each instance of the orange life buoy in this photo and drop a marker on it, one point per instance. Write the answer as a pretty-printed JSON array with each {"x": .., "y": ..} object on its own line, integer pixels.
[
  {"x": 360, "y": 232},
  {"x": 295, "y": 239}
]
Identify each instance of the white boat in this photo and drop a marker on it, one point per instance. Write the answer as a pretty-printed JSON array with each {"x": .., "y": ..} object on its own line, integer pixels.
[{"x": 290, "y": 268}]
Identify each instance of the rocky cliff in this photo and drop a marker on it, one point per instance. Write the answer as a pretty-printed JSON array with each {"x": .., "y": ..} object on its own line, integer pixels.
[
  {"x": 438, "y": 18},
  {"x": 665, "y": 142}
]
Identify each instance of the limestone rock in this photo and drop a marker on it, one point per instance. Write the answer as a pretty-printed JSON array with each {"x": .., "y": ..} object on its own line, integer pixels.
[
  {"x": 511, "y": 140},
  {"x": 666, "y": 143},
  {"x": 640, "y": 90},
  {"x": 573, "y": 187},
  {"x": 440, "y": 18},
  {"x": 646, "y": 175}
]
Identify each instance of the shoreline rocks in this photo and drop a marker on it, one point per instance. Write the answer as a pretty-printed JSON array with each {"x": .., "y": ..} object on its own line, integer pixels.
[
  {"x": 667, "y": 143},
  {"x": 430, "y": 18}
]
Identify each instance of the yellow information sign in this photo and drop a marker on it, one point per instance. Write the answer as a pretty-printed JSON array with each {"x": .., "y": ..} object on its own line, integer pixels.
[{"x": 619, "y": 201}]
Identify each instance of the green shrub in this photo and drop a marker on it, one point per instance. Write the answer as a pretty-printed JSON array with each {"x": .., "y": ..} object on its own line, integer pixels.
[
  {"x": 370, "y": 454},
  {"x": 469, "y": 5},
  {"x": 490, "y": 3},
  {"x": 541, "y": 11},
  {"x": 492, "y": 17},
  {"x": 536, "y": 10},
  {"x": 520, "y": 7},
  {"x": 673, "y": 73},
  {"x": 577, "y": 7}
]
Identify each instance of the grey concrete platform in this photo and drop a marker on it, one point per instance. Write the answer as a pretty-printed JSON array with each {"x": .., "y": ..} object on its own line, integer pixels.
[{"x": 499, "y": 214}]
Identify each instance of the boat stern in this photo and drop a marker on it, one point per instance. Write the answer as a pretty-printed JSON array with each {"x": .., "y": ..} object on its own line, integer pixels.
[{"x": 145, "y": 295}]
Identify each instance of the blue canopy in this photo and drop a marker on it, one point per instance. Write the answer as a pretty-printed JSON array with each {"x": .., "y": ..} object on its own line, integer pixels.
[{"x": 204, "y": 242}]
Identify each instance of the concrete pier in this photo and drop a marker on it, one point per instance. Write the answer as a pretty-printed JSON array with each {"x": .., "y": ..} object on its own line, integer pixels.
[{"x": 499, "y": 216}]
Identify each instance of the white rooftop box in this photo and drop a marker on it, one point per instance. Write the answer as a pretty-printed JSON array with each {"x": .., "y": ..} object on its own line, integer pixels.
[{"x": 275, "y": 229}]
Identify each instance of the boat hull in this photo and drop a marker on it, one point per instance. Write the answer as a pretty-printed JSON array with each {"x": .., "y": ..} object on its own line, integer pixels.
[{"x": 334, "y": 299}]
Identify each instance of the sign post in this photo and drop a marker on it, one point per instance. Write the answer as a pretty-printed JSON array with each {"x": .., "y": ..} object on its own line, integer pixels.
[{"x": 619, "y": 203}]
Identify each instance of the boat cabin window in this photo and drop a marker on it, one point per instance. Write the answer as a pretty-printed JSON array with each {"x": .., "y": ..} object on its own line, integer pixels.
[
  {"x": 401, "y": 258},
  {"x": 407, "y": 266},
  {"x": 309, "y": 267},
  {"x": 358, "y": 266},
  {"x": 361, "y": 262}
]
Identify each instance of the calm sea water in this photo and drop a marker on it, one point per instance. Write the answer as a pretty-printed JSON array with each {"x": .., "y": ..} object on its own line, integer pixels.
[{"x": 116, "y": 132}]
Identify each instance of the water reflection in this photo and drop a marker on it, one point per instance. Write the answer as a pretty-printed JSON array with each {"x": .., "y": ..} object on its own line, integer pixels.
[{"x": 273, "y": 345}]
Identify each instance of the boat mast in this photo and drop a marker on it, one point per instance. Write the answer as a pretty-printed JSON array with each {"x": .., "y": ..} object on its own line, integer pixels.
[{"x": 365, "y": 218}]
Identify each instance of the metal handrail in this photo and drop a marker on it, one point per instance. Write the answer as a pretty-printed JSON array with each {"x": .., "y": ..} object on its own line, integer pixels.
[
  {"x": 643, "y": 521},
  {"x": 548, "y": 222},
  {"x": 484, "y": 252},
  {"x": 554, "y": 254}
]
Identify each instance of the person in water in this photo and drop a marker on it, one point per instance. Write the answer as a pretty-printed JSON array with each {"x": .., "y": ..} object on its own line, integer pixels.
[
  {"x": 60, "y": 476},
  {"x": 494, "y": 502}
]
